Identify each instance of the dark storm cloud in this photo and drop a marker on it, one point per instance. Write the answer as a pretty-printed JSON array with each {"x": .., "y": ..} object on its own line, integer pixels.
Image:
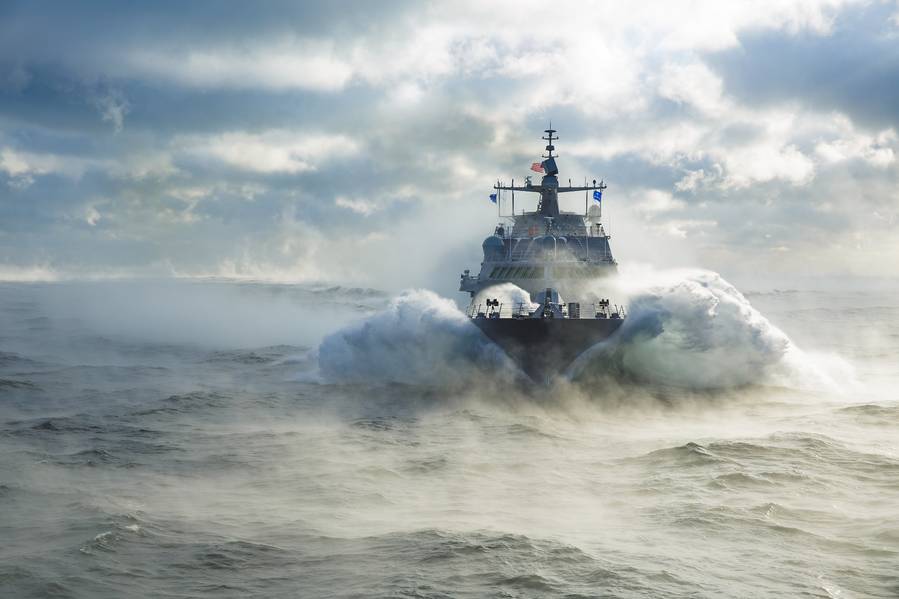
[
  {"x": 92, "y": 27},
  {"x": 854, "y": 70}
]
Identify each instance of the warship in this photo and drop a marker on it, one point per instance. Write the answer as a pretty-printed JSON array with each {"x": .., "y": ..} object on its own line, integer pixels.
[{"x": 554, "y": 259}]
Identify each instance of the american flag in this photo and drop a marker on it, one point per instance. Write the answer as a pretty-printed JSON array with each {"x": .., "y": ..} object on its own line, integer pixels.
[{"x": 537, "y": 167}]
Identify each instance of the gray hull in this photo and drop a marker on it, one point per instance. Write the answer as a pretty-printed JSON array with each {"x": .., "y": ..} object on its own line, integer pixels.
[{"x": 544, "y": 347}]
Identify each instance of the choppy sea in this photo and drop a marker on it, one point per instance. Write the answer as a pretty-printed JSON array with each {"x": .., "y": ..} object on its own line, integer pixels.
[{"x": 222, "y": 439}]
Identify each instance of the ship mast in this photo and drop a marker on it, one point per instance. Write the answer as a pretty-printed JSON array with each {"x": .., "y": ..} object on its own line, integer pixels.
[
  {"x": 549, "y": 198},
  {"x": 549, "y": 141},
  {"x": 549, "y": 189}
]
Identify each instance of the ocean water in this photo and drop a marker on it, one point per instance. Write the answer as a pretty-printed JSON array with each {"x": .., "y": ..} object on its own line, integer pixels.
[{"x": 217, "y": 439}]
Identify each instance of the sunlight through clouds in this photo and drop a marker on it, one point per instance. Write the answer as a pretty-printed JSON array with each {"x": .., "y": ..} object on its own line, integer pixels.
[{"x": 362, "y": 119}]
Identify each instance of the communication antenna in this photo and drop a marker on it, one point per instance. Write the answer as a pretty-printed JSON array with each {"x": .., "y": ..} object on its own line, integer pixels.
[{"x": 549, "y": 140}]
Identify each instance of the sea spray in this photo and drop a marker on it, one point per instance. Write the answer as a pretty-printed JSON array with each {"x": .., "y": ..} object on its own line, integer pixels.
[
  {"x": 421, "y": 338},
  {"x": 690, "y": 328},
  {"x": 510, "y": 296},
  {"x": 685, "y": 328}
]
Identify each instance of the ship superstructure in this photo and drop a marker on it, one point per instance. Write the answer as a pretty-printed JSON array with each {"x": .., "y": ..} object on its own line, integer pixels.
[
  {"x": 557, "y": 258},
  {"x": 534, "y": 249}
]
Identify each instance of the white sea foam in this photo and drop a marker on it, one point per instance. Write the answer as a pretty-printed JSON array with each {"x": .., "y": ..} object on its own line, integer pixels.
[
  {"x": 421, "y": 338},
  {"x": 691, "y": 328},
  {"x": 510, "y": 296},
  {"x": 685, "y": 328}
]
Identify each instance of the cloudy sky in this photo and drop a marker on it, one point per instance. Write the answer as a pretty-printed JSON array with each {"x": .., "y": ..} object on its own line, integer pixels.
[{"x": 357, "y": 141}]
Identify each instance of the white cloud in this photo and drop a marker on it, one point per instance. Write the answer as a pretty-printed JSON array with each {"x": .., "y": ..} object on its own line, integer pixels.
[
  {"x": 593, "y": 52},
  {"x": 92, "y": 216},
  {"x": 655, "y": 201},
  {"x": 691, "y": 180},
  {"x": 274, "y": 151},
  {"x": 763, "y": 162},
  {"x": 693, "y": 84},
  {"x": 358, "y": 206},
  {"x": 15, "y": 164},
  {"x": 683, "y": 228},
  {"x": 288, "y": 64},
  {"x": 406, "y": 94},
  {"x": 23, "y": 167},
  {"x": 848, "y": 144},
  {"x": 142, "y": 165},
  {"x": 775, "y": 144}
]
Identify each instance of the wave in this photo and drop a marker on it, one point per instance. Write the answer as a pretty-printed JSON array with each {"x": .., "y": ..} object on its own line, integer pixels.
[
  {"x": 421, "y": 338},
  {"x": 184, "y": 403},
  {"x": 692, "y": 329},
  {"x": 274, "y": 354},
  {"x": 685, "y": 329},
  {"x": 14, "y": 360},
  {"x": 17, "y": 384}
]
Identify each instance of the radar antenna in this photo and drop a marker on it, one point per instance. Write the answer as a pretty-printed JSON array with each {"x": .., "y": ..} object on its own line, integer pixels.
[{"x": 549, "y": 140}]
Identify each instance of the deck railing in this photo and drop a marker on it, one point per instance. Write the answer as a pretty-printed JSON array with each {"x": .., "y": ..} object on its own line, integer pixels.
[{"x": 601, "y": 309}]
